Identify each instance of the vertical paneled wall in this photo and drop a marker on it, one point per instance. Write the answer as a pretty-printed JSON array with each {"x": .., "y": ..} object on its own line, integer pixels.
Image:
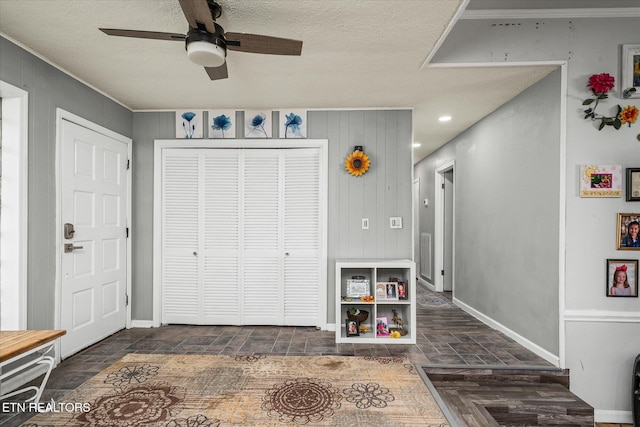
[
  {"x": 382, "y": 192},
  {"x": 49, "y": 89}
]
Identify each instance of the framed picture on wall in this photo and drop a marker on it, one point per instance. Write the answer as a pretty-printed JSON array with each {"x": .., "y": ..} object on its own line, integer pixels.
[
  {"x": 622, "y": 278},
  {"x": 600, "y": 181},
  {"x": 633, "y": 184},
  {"x": 630, "y": 71},
  {"x": 628, "y": 231}
]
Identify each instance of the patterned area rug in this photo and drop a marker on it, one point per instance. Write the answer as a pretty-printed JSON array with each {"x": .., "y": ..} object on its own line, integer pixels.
[
  {"x": 198, "y": 391},
  {"x": 430, "y": 299}
]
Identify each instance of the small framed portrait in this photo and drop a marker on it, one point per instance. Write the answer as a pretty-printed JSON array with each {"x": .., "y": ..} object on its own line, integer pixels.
[
  {"x": 622, "y": 278},
  {"x": 382, "y": 326},
  {"x": 403, "y": 292},
  {"x": 628, "y": 231},
  {"x": 633, "y": 184},
  {"x": 392, "y": 291},
  {"x": 352, "y": 327}
]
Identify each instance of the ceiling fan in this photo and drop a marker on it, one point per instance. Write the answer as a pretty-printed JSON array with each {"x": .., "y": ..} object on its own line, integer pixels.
[{"x": 206, "y": 41}]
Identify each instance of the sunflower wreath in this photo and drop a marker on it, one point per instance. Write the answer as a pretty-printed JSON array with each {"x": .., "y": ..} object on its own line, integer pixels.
[{"x": 357, "y": 163}]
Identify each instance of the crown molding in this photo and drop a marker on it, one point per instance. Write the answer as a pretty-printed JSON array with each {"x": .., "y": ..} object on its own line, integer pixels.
[{"x": 622, "y": 12}]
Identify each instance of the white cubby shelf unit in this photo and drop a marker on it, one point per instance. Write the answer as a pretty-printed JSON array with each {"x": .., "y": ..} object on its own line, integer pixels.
[{"x": 376, "y": 271}]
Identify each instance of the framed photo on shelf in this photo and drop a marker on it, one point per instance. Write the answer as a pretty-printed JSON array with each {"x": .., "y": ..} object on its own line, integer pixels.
[
  {"x": 392, "y": 291},
  {"x": 352, "y": 327},
  {"x": 630, "y": 71},
  {"x": 633, "y": 184},
  {"x": 403, "y": 292},
  {"x": 628, "y": 231},
  {"x": 381, "y": 291},
  {"x": 382, "y": 326},
  {"x": 357, "y": 288},
  {"x": 622, "y": 278}
]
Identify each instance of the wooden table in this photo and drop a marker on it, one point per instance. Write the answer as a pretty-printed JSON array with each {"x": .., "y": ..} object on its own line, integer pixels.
[{"x": 26, "y": 350}]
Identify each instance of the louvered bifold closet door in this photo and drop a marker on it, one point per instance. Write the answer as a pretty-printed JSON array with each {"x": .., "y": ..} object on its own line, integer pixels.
[
  {"x": 302, "y": 244},
  {"x": 262, "y": 287},
  {"x": 220, "y": 299},
  {"x": 181, "y": 287}
]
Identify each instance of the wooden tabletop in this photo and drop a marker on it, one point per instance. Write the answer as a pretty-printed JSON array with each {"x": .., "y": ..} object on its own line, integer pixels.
[{"x": 13, "y": 343}]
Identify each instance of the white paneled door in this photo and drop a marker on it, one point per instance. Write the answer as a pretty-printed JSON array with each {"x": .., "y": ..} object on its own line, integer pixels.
[
  {"x": 241, "y": 236},
  {"x": 94, "y": 255}
]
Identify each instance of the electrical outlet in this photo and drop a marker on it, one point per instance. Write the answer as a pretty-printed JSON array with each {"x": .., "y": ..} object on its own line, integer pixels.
[
  {"x": 365, "y": 223},
  {"x": 395, "y": 222}
]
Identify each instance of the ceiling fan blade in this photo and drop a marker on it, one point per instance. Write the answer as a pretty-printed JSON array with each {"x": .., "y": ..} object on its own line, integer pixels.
[
  {"x": 255, "y": 43},
  {"x": 198, "y": 15},
  {"x": 217, "y": 73},
  {"x": 143, "y": 34}
]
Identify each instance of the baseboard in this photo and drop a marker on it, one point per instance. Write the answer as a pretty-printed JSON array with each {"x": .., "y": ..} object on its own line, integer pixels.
[
  {"x": 142, "y": 324},
  {"x": 23, "y": 378},
  {"x": 546, "y": 355},
  {"x": 331, "y": 327},
  {"x": 620, "y": 417},
  {"x": 430, "y": 286}
]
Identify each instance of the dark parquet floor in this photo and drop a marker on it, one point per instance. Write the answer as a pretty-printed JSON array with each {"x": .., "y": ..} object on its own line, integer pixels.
[{"x": 447, "y": 338}]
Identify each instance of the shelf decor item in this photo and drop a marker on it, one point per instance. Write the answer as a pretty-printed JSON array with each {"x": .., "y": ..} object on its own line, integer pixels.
[
  {"x": 357, "y": 163},
  {"x": 382, "y": 326},
  {"x": 357, "y": 288},
  {"x": 356, "y": 314},
  {"x": 352, "y": 327}
]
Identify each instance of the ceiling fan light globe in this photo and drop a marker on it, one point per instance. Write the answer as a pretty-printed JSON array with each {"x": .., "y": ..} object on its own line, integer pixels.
[{"x": 206, "y": 54}]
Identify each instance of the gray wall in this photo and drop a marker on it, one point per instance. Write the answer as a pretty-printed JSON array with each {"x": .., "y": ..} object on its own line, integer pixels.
[
  {"x": 48, "y": 89},
  {"x": 507, "y": 196},
  {"x": 384, "y": 191}
]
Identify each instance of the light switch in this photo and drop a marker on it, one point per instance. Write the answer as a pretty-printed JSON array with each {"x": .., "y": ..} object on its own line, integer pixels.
[
  {"x": 365, "y": 223},
  {"x": 395, "y": 222}
]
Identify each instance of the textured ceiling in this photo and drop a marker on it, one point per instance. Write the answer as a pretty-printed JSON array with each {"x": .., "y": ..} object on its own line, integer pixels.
[{"x": 356, "y": 54}]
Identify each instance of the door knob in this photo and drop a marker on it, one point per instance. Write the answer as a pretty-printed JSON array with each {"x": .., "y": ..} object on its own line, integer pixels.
[{"x": 68, "y": 247}]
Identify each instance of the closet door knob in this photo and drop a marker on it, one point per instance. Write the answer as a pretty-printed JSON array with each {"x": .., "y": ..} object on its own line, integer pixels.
[{"x": 195, "y": 253}]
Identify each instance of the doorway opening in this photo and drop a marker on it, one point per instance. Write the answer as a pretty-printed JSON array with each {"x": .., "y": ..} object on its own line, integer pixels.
[{"x": 444, "y": 277}]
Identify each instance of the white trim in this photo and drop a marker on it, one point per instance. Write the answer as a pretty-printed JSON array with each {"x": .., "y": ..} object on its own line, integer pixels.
[
  {"x": 160, "y": 144},
  {"x": 438, "y": 234},
  {"x": 495, "y": 64},
  {"x": 15, "y": 189},
  {"x": 613, "y": 417},
  {"x": 620, "y": 12},
  {"x": 562, "y": 214},
  {"x": 454, "y": 20},
  {"x": 603, "y": 316},
  {"x": 546, "y": 355},
  {"x": 142, "y": 324},
  {"x": 70, "y": 117},
  {"x": 427, "y": 284}
]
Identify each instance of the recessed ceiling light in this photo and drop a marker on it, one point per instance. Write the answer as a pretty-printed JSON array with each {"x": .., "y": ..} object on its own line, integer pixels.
[
  {"x": 416, "y": 144},
  {"x": 444, "y": 118}
]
